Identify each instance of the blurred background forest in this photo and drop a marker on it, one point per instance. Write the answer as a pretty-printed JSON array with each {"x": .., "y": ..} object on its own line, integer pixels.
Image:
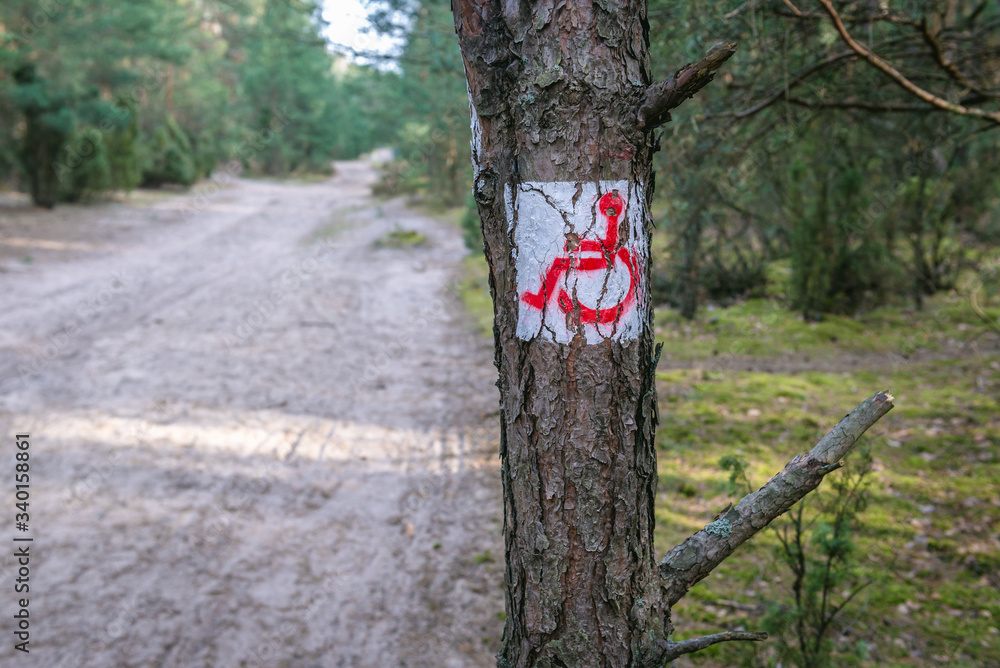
[
  {"x": 806, "y": 176},
  {"x": 819, "y": 229},
  {"x": 100, "y": 96}
]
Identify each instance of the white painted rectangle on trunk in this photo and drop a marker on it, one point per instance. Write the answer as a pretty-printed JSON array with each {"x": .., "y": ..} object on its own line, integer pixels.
[{"x": 579, "y": 256}]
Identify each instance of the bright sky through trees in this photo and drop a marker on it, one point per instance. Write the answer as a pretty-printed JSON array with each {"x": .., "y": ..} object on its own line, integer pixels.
[{"x": 349, "y": 28}]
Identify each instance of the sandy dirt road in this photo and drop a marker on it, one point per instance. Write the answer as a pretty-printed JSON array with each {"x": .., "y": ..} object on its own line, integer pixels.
[{"x": 257, "y": 438}]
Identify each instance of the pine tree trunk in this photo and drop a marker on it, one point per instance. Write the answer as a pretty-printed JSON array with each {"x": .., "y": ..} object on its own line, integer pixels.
[
  {"x": 690, "y": 283},
  {"x": 562, "y": 180}
]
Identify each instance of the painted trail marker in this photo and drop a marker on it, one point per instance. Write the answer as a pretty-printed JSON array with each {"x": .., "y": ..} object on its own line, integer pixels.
[{"x": 579, "y": 253}]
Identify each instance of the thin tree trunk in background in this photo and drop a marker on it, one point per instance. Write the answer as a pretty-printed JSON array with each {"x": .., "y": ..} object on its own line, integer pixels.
[{"x": 690, "y": 285}]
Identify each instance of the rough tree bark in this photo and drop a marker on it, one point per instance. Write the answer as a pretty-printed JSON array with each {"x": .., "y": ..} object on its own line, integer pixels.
[{"x": 563, "y": 115}]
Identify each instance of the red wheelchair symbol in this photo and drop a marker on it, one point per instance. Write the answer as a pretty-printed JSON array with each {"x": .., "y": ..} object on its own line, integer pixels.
[{"x": 610, "y": 207}]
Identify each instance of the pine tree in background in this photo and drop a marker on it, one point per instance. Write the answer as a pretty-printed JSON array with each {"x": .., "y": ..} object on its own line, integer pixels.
[{"x": 48, "y": 125}]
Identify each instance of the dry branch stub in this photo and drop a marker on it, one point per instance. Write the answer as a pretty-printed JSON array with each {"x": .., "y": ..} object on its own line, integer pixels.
[{"x": 696, "y": 557}]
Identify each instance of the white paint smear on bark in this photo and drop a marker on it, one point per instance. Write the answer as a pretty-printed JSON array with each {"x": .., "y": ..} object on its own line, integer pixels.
[
  {"x": 477, "y": 133},
  {"x": 579, "y": 252}
]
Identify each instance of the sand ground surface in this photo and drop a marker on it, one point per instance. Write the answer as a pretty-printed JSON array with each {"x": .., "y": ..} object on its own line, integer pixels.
[{"x": 258, "y": 438}]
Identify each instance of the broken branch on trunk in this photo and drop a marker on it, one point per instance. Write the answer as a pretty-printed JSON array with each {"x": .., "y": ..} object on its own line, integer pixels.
[
  {"x": 672, "y": 91},
  {"x": 695, "y": 558}
]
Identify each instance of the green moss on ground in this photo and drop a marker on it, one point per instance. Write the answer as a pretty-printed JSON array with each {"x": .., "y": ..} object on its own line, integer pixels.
[
  {"x": 929, "y": 538},
  {"x": 400, "y": 238},
  {"x": 948, "y": 325}
]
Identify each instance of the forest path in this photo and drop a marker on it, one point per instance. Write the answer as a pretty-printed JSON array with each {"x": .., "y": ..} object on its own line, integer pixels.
[{"x": 257, "y": 437}]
